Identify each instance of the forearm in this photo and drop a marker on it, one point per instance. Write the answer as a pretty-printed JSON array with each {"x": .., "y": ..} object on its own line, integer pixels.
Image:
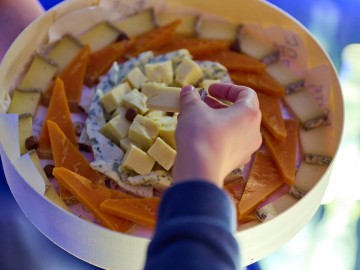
[
  {"x": 15, "y": 15},
  {"x": 195, "y": 230}
]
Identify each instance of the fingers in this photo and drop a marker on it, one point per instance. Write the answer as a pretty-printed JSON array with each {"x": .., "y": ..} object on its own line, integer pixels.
[
  {"x": 239, "y": 95},
  {"x": 214, "y": 103},
  {"x": 189, "y": 96}
]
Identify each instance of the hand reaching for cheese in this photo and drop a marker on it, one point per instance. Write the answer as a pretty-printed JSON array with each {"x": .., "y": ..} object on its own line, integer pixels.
[{"x": 211, "y": 142}]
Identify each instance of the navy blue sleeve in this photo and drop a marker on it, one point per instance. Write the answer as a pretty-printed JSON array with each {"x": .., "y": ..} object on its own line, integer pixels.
[{"x": 195, "y": 227}]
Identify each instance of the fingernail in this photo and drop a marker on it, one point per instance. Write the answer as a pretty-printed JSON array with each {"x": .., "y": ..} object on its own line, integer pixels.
[{"x": 188, "y": 88}]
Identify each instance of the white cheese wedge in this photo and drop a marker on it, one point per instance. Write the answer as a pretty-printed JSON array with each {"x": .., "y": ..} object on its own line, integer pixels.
[
  {"x": 137, "y": 24},
  {"x": 159, "y": 179},
  {"x": 317, "y": 145},
  {"x": 64, "y": 51},
  {"x": 306, "y": 178},
  {"x": 187, "y": 27},
  {"x": 136, "y": 78},
  {"x": 39, "y": 74},
  {"x": 99, "y": 36},
  {"x": 117, "y": 128},
  {"x": 143, "y": 131},
  {"x": 135, "y": 99},
  {"x": 162, "y": 98},
  {"x": 188, "y": 72},
  {"x": 306, "y": 109},
  {"x": 25, "y": 131},
  {"x": 215, "y": 29},
  {"x": 25, "y": 101},
  {"x": 162, "y": 153},
  {"x": 160, "y": 72},
  {"x": 110, "y": 170},
  {"x": 112, "y": 99},
  {"x": 275, "y": 207},
  {"x": 137, "y": 160}
]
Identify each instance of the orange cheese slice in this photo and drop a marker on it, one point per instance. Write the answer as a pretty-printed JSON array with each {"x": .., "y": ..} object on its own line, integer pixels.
[
  {"x": 264, "y": 179},
  {"x": 142, "y": 211},
  {"x": 272, "y": 118},
  {"x": 73, "y": 76},
  {"x": 67, "y": 155},
  {"x": 196, "y": 46},
  {"x": 101, "y": 60},
  {"x": 235, "y": 189},
  {"x": 91, "y": 196},
  {"x": 260, "y": 82},
  {"x": 284, "y": 152},
  {"x": 155, "y": 38},
  {"x": 234, "y": 61},
  {"x": 59, "y": 113}
]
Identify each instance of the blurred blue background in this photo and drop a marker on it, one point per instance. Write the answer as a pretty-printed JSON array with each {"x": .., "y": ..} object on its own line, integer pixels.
[{"x": 329, "y": 241}]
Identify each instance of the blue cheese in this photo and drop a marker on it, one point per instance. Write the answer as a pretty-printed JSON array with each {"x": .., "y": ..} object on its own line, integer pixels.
[
  {"x": 106, "y": 150},
  {"x": 110, "y": 170},
  {"x": 96, "y": 118},
  {"x": 214, "y": 71},
  {"x": 159, "y": 179}
]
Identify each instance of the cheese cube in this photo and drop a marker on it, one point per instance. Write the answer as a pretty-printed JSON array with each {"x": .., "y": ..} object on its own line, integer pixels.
[
  {"x": 160, "y": 72},
  {"x": 188, "y": 72},
  {"x": 24, "y": 131},
  {"x": 155, "y": 115},
  {"x": 130, "y": 25},
  {"x": 125, "y": 143},
  {"x": 117, "y": 128},
  {"x": 215, "y": 29},
  {"x": 163, "y": 98},
  {"x": 64, "y": 51},
  {"x": 275, "y": 208},
  {"x": 135, "y": 99},
  {"x": 206, "y": 84},
  {"x": 187, "y": 27},
  {"x": 39, "y": 75},
  {"x": 143, "y": 131},
  {"x": 162, "y": 153},
  {"x": 113, "y": 98},
  {"x": 136, "y": 78},
  {"x": 25, "y": 101},
  {"x": 100, "y": 36},
  {"x": 137, "y": 160},
  {"x": 167, "y": 128},
  {"x": 304, "y": 106}
]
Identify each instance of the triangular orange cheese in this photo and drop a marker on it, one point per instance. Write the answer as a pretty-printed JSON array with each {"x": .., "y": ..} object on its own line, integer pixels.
[
  {"x": 73, "y": 76},
  {"x": 196, "y": 46},
  {"x": 235, "y": 189},
  {"x": 272, "y": 118},
  {"x": 142, "y": 211},
  {"x": 67, "y": 155},
  {"x": 284, "y": 152},
  {"x": 260, "y": 82},
  {"x": 235, "y": 61},
  {"x": 91, "y": 196},
  {"x": 155, "y": 38},
  {"x": 101, "y": 60},
  {"x": 264, "y": 179},
  {"x": 59, "y": 113}
]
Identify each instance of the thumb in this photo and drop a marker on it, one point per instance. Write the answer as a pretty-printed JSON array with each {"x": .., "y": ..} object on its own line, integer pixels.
[{"x": 189, "y": 96}]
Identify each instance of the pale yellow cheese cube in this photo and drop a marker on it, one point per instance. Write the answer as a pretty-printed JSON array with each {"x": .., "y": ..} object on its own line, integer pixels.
[
  {"x": 25, "y": 131},
  {"x": 135, "y": 99},
  {"x": 125, "y": 143},
  {"x": 163, "y": 98},
  {"x": 137, "y": 160},
  {"x": 167, "y": 128},
  {"x": 143, "y": 131},
  {"x": 25, "y": 101},
  {"x": 188, "y": 72},
  {"x": 136, "y": 78},
  {"x": 155, "y": 114},
  {"x": 160, "y": 72},
  {"x": 206, "y": 84},
  {"x": 113, "y": 98},
  {"x": 162, "y": 153},
  {"x": 117, "y": 128},
  {"x": 39, "y": 74}
]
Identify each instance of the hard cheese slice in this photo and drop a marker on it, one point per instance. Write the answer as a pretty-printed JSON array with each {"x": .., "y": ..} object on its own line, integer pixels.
[
  {"x": 235, "y": 61},
  {"x": 261, "y": 82},
  {"x": 155, "y": 38},
  {"x": 73, "y": 77},
  {"x": 67, "y": 155},
  {"x": 91, "y": 196},
  {"x": 59, "y": 113},
  {"x": 284, "y": 152},
  {"x": 264, "y": 179},
  {"x": 235, "y": 189},
  {"x": 141, "y": 211},
  {"x": 271, "y": 115}
]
